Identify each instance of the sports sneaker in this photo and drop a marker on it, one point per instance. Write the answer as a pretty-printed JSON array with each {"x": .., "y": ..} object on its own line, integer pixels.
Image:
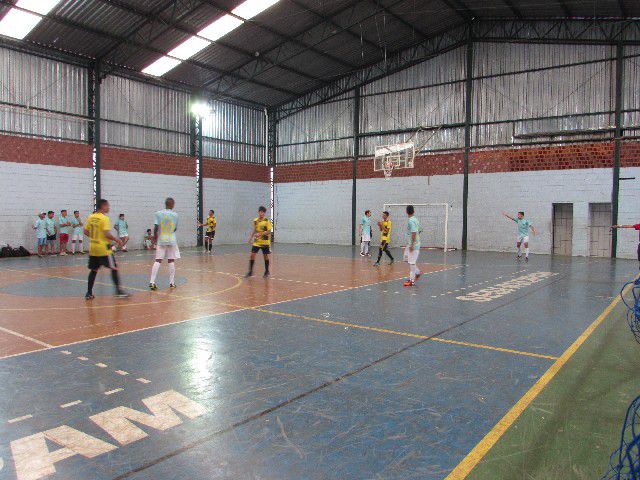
[
  {"x": 172, "y": 285},
  {"x": 526, "y": 259},
  {"x": 153, "y": 286},
  {"x": 391, "y": 262},
  {"x": 122, "y": 294},
  {"x": 518, "y": 258},
  {"x": 124, "y": 249},
  {"x": 362, "y": 254},
  {"x": 89, "y": 296},
  {"x": 249, "y": 274},
  {"x": 409, "y": 283},
  {"x": 62, "y": 254},
  {"x": 377, "y": 264},
  {"x": 418, "y": 275},
  {"x": 266, "y": 274}
]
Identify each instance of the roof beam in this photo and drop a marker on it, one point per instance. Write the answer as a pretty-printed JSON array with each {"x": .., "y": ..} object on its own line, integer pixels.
[
  {"x": 70, "y": 23},
  {"x": 413, "y": 28},
  {"x": 330, "y": 21},
  {"x": 564, "y": 7},
  {"x": 318, "y": 42},
  {"x": 623, "y": 9},
  {"x": 514, "y": 10},
  {"x": 151, "y": 17},
  {"x": 287, "y": 38},
  {"x": 459, "y": 9}
]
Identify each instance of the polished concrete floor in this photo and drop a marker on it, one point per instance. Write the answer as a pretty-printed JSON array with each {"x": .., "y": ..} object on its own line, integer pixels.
[{"x": 328, "y": 369}]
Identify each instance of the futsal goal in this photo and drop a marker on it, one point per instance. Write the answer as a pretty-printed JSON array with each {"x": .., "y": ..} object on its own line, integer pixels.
[{"x": 433, "y": 217}]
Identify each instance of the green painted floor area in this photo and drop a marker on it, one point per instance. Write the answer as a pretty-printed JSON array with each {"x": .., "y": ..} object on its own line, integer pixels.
[{"x": 572, "y": 427}]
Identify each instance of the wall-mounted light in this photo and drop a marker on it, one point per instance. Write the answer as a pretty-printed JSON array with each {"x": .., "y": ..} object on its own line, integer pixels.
[{"x": 201, "y": 109}]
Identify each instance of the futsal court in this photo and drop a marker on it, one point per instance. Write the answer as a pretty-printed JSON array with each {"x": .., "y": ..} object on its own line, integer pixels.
[
  {"x": 343, "y": 374},
  {"x": 319, "y": 239}
]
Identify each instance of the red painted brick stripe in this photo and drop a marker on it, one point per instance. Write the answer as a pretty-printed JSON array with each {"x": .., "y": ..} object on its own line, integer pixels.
[
  {"x": 44, "y": 152},
  {"x": 575, "y": 156}
]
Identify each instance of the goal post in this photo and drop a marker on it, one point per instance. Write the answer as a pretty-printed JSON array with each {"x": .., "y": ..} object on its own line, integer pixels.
[{"x": 433, "y": 217}]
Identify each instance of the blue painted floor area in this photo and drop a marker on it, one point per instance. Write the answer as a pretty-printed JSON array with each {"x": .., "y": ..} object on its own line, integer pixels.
[{"x": 288, "y": 397}]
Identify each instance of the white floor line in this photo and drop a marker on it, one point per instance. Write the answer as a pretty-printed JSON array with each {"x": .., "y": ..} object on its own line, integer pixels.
[
  {"x": 19, "y": 419},
  {"x": 70, "y": 404},
  {"x": 202, "y": 317},
  {"x": 25, "y": 337},
  {"x": 115, "y": 390}
]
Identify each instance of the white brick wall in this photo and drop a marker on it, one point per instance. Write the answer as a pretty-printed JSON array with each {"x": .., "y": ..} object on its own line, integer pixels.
[
  {"x": 236, "y": 205},
  {"x": 535, "y": 193},
  {"x": 304, "y": 207},
  {"x": 27, "y": 189},
  {"x": 140, "y": 195},
  {"x": 329, "y": 203}
]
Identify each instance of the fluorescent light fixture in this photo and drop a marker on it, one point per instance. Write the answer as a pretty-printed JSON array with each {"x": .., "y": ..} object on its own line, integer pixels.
[
  {"x": 38, "y": 6},
  {"x": 189, "y": 48},
  {"x": 18, "y": 23},
  {"x": 220, "y": 27},
  {"x": 201, "y": 109},
  {"x": 161, "y": 66},
  {"x": 212, "y": 32},
  {"x": 251, "y": 8}
]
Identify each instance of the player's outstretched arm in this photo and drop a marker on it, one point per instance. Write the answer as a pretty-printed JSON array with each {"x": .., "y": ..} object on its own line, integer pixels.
[
  {"x": 508, "y": 216},
  {"x": 622, "y": 226}
]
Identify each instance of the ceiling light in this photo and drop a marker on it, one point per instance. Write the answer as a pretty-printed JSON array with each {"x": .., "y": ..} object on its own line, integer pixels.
[
  {"x": 220, "y": 27},
  {"x": 189, "y": 48},
  {"x": 251, "y": 8},
  {"x": 18, "y": 23},
  {"x": 201, "y": 109},
  {"x": 161, "y": 66}
]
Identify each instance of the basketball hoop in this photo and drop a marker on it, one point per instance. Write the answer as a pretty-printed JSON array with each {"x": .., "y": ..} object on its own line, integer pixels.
[{"x": 387, "y": 166}]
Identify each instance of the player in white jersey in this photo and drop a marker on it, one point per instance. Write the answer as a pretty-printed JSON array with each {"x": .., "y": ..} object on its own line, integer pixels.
[{"x": 165, "y": 225}]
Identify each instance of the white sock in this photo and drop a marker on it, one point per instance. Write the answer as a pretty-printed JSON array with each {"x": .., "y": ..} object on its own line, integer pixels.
[
  {"x": 73, "y": 247},
  {"x": 154, "y": 271},
  {"x": 362, "y": 244},
  {"x": 366, "y": 247},
  {"x": 526, "y": 252},
  {"x": 412, "y": 272},
  {"x": 80, "y": 246},
  {"x": 519, "y": 251},
  {"x": 172, "y": 272}
]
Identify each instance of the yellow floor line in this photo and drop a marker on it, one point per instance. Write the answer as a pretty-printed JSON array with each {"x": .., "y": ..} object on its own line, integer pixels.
[
  {"x": 403, "y": 334},
  {"x": 474, "y": 457},
  {"x": 498, "y": 349}
]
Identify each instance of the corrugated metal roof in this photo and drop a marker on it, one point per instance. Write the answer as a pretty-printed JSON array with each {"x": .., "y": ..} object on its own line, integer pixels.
[{"x": 300, "y": 42}]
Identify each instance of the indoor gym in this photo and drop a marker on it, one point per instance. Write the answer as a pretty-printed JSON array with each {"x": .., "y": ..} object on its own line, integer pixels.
[{"x": 497, "y": 362}]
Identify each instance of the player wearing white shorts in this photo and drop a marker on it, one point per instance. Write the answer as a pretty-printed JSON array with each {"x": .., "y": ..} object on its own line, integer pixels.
[
  {"x": 164, "y": 233},
  {"x": 122, "y": 227},
  {"x": 524, "y": 225},
  {"x": 412, "y": 250},
  {"x": 365, "y": 233}
]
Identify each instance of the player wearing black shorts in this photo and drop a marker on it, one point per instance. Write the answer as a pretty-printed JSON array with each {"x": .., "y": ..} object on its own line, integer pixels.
[
  {"x": 210, "y": 231},
  {"x": 98, "y": 229},
  {"x": 260, "y": 239}
]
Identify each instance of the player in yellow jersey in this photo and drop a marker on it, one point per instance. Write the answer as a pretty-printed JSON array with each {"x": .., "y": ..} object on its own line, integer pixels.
[
  {"x": 385, "y": 238},
  {"x": 261, "y": 240},
  {"x": 98, "y": 229},
  {"x": 210, "y": 225}
]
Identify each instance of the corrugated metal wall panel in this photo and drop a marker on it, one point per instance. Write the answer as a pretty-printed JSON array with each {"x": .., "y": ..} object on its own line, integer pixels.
[
  {"x": 33, "y": 81},
  {"x": 561, "y": 91},
  {"x": 144, "y": 105},
  {"x": 631, "y": 95},
  {"x": 444, "y": 139},
  {"x": 432, "y": 106},
  {"x": 447, "y": 67},
  {"x": 315, "y": 151},
  {"x": 500, "y": 58},
  {"x": 235, "y": 123},
  {"x": 329, "y": 120}
]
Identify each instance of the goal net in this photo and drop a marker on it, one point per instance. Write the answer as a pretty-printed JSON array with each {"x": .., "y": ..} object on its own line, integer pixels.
[{"x": 433, "y": 217}]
